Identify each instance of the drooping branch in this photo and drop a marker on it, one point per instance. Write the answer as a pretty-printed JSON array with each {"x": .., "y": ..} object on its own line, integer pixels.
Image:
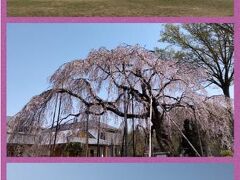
[{"x": 96, "y": 85}]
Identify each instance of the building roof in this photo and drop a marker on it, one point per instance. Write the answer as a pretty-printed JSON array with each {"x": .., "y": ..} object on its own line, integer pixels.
[
  {"x": 65, "y": 134},
  {"x": 92, "y": 124}
]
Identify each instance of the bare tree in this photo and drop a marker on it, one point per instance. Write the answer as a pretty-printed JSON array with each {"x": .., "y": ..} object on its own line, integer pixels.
[
  {"x": 209, "y": 46},
  {"x": 97, "y": 85}
]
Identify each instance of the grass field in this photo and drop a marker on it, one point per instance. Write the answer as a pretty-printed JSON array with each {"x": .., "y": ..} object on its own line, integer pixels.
[{"x": 120, "y": 7}]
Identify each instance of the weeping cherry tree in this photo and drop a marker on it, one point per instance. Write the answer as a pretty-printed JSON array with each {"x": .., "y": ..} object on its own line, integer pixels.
[{"x": 97, "y": 86}]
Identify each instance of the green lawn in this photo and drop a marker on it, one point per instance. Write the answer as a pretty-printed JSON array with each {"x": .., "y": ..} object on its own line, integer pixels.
[{"x": 120, "y": 7}]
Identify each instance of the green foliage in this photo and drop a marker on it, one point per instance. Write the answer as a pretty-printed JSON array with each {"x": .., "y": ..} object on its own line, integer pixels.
[
  {"x": 73, "y": 149},
  {"x": 225, "y": 153},
  {"x": 209, "y": 46},
  {"x": 139, "y": 143}
]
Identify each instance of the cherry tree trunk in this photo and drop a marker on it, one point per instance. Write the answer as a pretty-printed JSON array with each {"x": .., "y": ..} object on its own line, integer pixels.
[{"x": 162, "y": 135}]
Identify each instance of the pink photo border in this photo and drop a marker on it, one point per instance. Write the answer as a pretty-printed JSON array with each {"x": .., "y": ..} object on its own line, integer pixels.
[{"x": 235, "y": 19}]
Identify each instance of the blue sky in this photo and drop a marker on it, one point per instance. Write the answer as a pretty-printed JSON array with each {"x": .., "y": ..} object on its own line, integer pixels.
[
  {"x": 124, "y": 171},
  {"x": 35, "y": 51}
]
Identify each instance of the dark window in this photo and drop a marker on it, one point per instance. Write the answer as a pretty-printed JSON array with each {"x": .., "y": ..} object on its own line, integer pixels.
[
  {"x": 102, "y": 136},
  {"x": 92, "y": 153}
]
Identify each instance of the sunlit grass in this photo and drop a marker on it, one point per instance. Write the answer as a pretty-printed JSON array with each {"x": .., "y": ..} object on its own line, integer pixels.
[{"x": 120, "y": 7}]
